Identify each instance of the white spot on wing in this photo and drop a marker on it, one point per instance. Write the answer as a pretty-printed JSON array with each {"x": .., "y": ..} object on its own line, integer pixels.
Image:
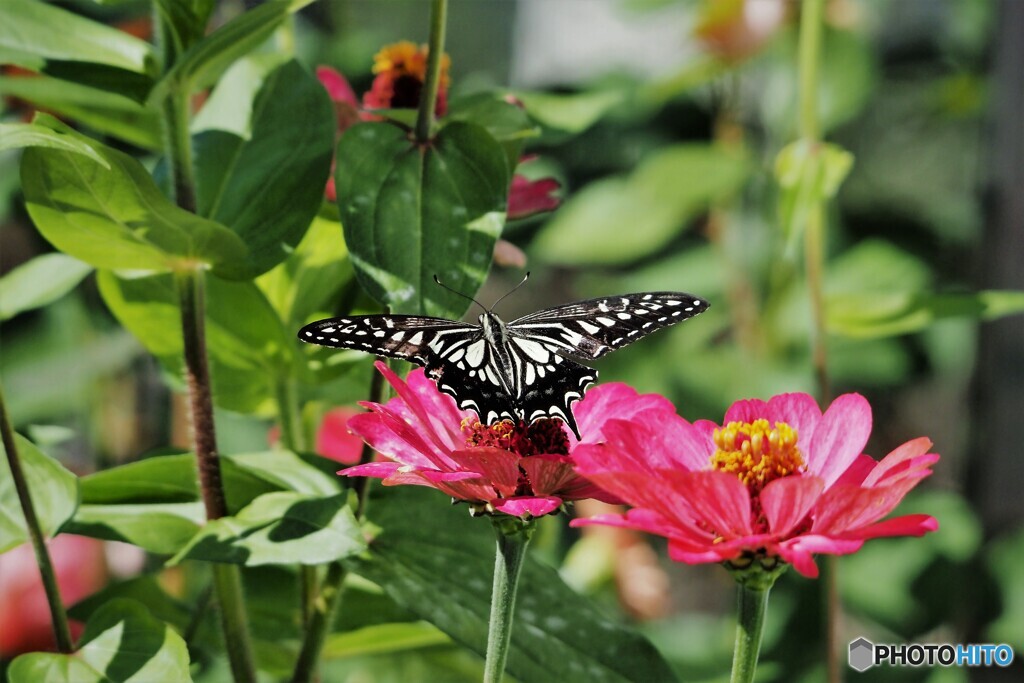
[
  {"x": 475, "y": 353},
  {"x": 534, "y": 350},
  {"x": 587, "y": 327},
  {"x": 607, "y": 322}
]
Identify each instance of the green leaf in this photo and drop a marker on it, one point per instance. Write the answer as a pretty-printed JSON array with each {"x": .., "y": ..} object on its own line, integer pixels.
[
  {"x": 886, "y": 314},
  {"x": 307, "y": 285},
  {"x": 410, "y": 213},
  {"x": 122, "y": 643},
  {"x": 39, "y": 282},
  {"x": 185, "y": 22},
  {"x": 1003, "y": 556},
  {"x": 104, "y": 111},
  {"x": 246, "y": 342},
  {"x": 268, "y": 188},
  {"x": 437, "y": 561},
  {"x": 230, "y": 106},
  {"x": 17, "y": 135},
  {"x": 205, "y": 61},
  {"x": 507, "y": 123},
  {"x": 280, "y": 528},
  {"x": 145, "y": 590},
  {"x": 116, "y": 217},
  {"x": 654, "y": 203},
  {"x": 53, "y": 489},
  {"x": 40, "y": 29},
  {"x": 808, "y": 173},
  {"x": 161, "y": 528},
  {"x": 383, "y": 639},
  {"x": 571, "y": 113}
]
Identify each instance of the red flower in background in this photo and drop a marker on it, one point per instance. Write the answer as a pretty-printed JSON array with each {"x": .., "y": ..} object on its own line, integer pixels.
[
  {"x": 401, "y": 70},
  {"x": 334, "y": 440},
  {"x": 25, "y": 626},
  {"x": 778, "y": 480},
  {"x": 517, "y": 469}
]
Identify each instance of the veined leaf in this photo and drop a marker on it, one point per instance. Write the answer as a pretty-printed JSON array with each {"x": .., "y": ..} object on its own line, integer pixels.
[
  {"x": 54, "y": 492},
  {"x": 39, "y": 282}
]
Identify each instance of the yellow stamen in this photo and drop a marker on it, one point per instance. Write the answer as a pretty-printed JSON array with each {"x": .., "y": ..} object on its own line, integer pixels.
[{"x": 757, "y": 453}]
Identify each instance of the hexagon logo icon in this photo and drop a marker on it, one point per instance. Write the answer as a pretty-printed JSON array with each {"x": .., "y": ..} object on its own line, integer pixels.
[{"x": 862, "y": 654}]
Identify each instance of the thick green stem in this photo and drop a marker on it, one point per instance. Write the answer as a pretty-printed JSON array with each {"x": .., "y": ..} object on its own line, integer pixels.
[
  {"x": 428, "y": 99},
  {"x": 58, "y": 617},
  {"x": 752, "y": 606},
  {"x": 324, "y": 608},
  {"x": 508, "y": 562},
  {"x": 809, "y": 58}
]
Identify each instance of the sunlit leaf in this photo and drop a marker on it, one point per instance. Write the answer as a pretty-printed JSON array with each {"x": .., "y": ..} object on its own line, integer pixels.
[
  {"x": 53, "y": 489},
  {"x": 115, "y": 216},
  {"x": 122, "y": 643},
  {"x": 39, "y": 282},
  {"x": 382, "y": 639},
  {"x": 877, "y": 314},
  {"x": 572, "y": 113}
]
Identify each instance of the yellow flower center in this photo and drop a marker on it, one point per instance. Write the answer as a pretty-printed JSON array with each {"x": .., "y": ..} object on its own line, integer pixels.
[{"x": 757, "y": 453}]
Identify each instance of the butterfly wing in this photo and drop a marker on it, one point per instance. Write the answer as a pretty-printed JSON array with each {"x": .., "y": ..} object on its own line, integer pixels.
[
  {"x": 455, "y": 354},
  {"x": 589, "y": 329}
]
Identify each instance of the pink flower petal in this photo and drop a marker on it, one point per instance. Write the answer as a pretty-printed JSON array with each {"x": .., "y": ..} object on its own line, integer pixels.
[
  {"x": 529, "y": 197},
  {"x": 335, "y": 441},
  {"x": 787, "y": 501},
  {"x": 800, "y": 411},
  {"x": 616, "y": 400},
  {"x": 337, "y": 85},
  {"x": 907, "y": 525},
  {"x": 497, "y": 466},
  {"x": 414, "y": 398},
  {"x": 842, "y": 508},
  {"x": 799, "y": 551},
  {"x": 445, "y": 416},
  {"x": 858, "y": 470},
  {"x": 548, "y": 473},
  {"x": 904, "y": 458},
  {"x": 839, "y": 437},
  {"x": 533, "y": 506},
  {"x": 395, "y": 438},
  {"x": 717, "y": 499},
  {"x": 377, "y": 470}
]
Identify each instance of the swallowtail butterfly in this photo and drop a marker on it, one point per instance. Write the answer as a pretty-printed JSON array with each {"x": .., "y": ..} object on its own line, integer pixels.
[{"x": 522, "y": 370}]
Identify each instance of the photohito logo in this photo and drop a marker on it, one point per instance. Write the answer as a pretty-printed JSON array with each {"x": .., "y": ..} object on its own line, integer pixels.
[{"x": 864, "y": 654}]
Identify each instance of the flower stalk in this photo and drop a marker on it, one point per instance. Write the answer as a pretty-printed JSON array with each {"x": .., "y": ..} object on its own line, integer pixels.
[
  {"x": 513, "y": 536},
  {"x": 58, "y": 617},
  {"x": 428, "y": 100},
  {"x": 751, "y": 606}
]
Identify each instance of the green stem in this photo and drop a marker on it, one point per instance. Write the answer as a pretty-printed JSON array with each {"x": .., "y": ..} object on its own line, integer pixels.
[
  {"x": 508, "y": 562},
  {"x": 752, "y": 606},
  {"x": 428, "y": 100},
  {"x": 178, "y": 147},
  {"x": 227, "y": 581},
  {"x": 324, "y": 608},
  {"x": 58, "y": 617},
  {"x": 809, "y": 58},
  {"x": 814, "y": 255}
]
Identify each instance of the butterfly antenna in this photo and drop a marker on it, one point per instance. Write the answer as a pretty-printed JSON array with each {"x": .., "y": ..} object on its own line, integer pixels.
[
  {"x": 521, "y": 283},
  {"x": 455, "y": 291}
]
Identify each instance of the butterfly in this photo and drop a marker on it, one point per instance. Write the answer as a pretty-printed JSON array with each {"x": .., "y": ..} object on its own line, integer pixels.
[{"x": 523, "y": 370}]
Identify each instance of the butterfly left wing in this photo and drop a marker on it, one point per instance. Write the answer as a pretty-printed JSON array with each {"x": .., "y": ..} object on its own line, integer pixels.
[
  {"x": 417, "y": 339},
  {"x": 589, "y": 329}
]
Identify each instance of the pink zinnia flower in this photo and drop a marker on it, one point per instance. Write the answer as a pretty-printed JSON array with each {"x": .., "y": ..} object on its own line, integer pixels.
[
  {"x": 334, "y": 440},
  {"x": 779, "y": 480},
  {"x": 517, "y": 469},
  {"x": 529, "y": 197}
]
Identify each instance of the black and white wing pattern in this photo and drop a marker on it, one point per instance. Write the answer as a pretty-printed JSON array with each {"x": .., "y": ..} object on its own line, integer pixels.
[
  {"x": 524, "y": 370},
  {"x": 589, "y": 329}
]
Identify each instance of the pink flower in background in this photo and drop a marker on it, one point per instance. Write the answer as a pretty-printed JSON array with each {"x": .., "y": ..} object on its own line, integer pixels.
[
  {"x": 24, "y": 613},
  {"x": 778, "y": 480},
  {"x": 346, "y": 110},
  {"x": 335, "y": 441},
  {"x": 517, "y": 469},
  {"x": 529, "y": 197}
]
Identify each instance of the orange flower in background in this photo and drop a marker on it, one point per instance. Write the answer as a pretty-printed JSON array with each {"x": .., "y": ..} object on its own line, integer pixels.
[{"x": 401, "y": 70}]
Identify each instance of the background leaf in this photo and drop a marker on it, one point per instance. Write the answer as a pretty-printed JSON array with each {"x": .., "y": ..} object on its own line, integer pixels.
[
  {"x": 618, "y": 220},
  {"x": 410, "y": 214},
  {"x": 54, "y": 492},
  {"x": 17, "y": 135},
  {"x": 39, "y": 282}
]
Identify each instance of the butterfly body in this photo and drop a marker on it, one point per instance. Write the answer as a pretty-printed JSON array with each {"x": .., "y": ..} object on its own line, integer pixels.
[{"x": 522, "y": 370}]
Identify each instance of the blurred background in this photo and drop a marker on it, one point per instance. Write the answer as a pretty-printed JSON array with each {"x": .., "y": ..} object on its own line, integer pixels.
[{"x": 661, "y": 120}]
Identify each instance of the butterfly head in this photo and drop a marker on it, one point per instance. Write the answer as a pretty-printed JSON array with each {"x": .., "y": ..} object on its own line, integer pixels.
[{"x": 493, "y": 327}]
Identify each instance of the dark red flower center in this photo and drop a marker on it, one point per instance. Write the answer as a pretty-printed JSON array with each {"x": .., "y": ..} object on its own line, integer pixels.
[{"x": 542, "y": 436}]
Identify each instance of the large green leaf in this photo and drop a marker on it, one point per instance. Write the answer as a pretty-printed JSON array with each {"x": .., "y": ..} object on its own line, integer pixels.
[
  {"x": 122, "y": 643},
  {"x": 53, "y": 489},
  {"x": 116, "y": 217},
  {"x": 280, "y": 528},
  {"x": 382, "y": 639},
  {"x": 411, "y": 213},
  {"x": 269, "y": 186},
  {"x": 619, "y": 220},
  {"x": 100, "y": 109},
  {"x": 507, "y": 123},
  {"x": 39, "y": 282},
  {"x": 34, "y": 28},
  {"x": 161, "y": 528},
  {"x": 438, "y": 562},
  {"x": 246, "y": 342},
  {"x": 573, "y": 112}
]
